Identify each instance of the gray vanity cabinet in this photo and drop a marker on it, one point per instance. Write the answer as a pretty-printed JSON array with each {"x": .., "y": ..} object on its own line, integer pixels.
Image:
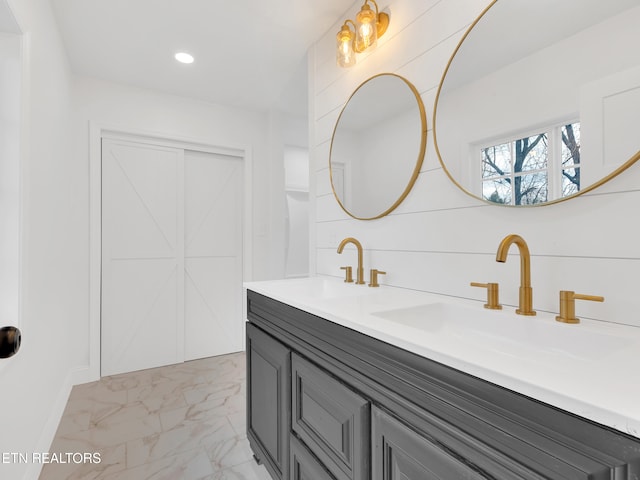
[
  {"x": 326, "y": 402},
  {"x": 268, "y": 401}
]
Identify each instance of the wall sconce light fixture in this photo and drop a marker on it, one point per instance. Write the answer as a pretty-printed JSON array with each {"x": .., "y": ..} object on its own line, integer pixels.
[{"x": 369, "y": 25}]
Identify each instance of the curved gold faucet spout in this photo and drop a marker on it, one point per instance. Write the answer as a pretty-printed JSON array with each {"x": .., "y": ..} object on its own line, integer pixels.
[
  {"x": 526, "y": 292},
  {"x": 358, "y": 245},
  {"x": 525, "y": 258}
]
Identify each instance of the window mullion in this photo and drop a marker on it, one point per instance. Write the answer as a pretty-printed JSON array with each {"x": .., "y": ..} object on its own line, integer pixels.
[
  {"x": 512, "y": 172},
  {"x": 554, "y": 162}
]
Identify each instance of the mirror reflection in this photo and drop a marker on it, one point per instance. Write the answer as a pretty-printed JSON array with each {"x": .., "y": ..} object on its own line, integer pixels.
[
  {"x": 539, "y": 102},
  {"x": 378, "y": 146}
]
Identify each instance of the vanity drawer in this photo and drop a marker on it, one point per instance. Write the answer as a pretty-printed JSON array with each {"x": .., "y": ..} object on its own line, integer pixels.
[
  {"x": 402, "y": 454},
  {"x": 331, "y": 419},
  {"x": 304, "y": 466}
]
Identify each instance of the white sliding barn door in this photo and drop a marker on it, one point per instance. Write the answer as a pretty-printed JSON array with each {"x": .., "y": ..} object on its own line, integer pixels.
[
  {"x": 171, "y": 255},
  {"x": 213, "y": 254}
]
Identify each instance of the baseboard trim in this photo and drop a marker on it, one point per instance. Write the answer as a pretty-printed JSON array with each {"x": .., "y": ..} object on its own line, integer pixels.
[{"x": 82, "y": 375}]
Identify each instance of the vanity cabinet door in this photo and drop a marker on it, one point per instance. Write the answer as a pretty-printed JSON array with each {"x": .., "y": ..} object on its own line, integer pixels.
[
  {"x": 331, "y": 419},
  {"x": 268, "y": 401},
  {"x": 304, "y": 466},
  {"x": 399, "y": 453}
]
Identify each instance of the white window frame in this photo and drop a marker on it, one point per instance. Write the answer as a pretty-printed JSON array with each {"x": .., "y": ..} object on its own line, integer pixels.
[{"x": 554, "y": 160}]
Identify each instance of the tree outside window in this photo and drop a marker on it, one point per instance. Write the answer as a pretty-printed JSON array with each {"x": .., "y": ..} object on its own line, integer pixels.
[{"x": 529, "y": 170}]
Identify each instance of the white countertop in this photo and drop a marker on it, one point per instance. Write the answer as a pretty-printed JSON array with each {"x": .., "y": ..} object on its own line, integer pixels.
[{"x": 591, "y": 369}]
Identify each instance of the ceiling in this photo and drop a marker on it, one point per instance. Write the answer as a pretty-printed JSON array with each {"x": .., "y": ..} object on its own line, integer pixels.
[{"x": 248, "y": 53}]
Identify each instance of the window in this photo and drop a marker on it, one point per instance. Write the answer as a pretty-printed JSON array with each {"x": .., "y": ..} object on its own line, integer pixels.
[{"x": 533, "y": 169}]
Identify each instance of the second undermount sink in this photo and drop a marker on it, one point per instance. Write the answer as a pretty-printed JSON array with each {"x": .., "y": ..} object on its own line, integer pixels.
[{"x": 505, "y": 332}]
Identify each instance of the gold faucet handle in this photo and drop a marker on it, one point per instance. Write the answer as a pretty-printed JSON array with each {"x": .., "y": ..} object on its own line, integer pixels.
[
  {"x": 568, "y": 305},
  {"x": 348, "y": 274},
  {"x": 373, "y": 277},
  {"x": 493, "y": 301}
]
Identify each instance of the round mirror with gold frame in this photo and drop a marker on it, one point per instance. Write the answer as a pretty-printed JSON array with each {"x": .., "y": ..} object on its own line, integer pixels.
[
  {"x": 539, "y": 101},
  {"x": 378, "y": 146}
]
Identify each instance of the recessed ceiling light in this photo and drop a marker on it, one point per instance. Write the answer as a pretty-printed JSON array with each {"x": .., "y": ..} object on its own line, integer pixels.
[{"x": 183, "y": 57}]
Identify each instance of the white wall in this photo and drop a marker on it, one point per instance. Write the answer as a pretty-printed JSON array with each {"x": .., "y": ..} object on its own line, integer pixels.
[
  {"x": 288, "y": 146},
  {"x": 296, "y": 168},
  {"x": 35, "y": 382},
  {"x": 55, "y": 245},
  {"x": 10, "y": 79},
  {"x": 440, "y": 239},
  {"x": 275, "y": 222},
  {"x": 296, "y": 182}
]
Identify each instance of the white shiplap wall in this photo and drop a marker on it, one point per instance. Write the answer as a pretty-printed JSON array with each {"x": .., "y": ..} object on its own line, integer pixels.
[{"x": 440, "y": 239}]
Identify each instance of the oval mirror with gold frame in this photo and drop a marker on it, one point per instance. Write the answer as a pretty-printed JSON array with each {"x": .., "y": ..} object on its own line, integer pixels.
[
  {"x": 378, "y": 146},
  {"x": 539, "y": 101}
]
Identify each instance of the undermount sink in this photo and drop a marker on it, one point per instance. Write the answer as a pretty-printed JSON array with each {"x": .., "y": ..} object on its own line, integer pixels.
[
  {"x": 323, "y": 288},
  {"x": 505, "y": 332}
]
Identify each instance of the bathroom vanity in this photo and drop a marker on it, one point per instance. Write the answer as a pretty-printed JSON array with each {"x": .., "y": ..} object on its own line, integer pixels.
[{"x": 344, "y": 384}]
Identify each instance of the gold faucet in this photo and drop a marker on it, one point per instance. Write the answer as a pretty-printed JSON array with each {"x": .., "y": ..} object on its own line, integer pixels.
[
  {"x": 526, "y": 292},
  {"x": 360, "y": 270},
  {"x": 568, "y": 305},
  {"x": 493, "y": 295},
  {"x": 373, "y": 277}
]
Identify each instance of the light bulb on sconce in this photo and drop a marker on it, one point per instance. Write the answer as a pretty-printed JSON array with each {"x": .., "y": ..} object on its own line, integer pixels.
[
  {"x": 345, "y": 54},
  {"x": 366, "y": 28},
  {"x": 369, "y": 25}
]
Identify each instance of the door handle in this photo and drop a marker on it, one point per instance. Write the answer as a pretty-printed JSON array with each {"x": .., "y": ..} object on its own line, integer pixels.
[{"x": 10, "y": 339}]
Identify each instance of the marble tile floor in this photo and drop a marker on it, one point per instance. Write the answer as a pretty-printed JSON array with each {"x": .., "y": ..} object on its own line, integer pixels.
[{"x": 180, "y": 422}]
